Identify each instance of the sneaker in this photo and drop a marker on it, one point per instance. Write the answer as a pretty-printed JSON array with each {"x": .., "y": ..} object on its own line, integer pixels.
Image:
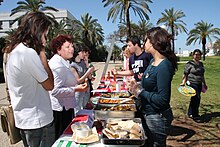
[{"x": 190, "y": 116}]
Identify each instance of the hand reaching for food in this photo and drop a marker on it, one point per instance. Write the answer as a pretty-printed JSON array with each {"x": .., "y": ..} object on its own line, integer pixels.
[{"x": 135, "y": 88}]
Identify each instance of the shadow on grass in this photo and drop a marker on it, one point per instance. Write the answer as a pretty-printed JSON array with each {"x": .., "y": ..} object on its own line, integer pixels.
[
  {"x": 208, "y": 116},
  {"x": 178, "y": 130},
  {"x": 187, "y": 132}
]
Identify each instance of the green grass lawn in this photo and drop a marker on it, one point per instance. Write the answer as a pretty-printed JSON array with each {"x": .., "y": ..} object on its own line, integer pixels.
[
  {"x": 208, "y": 131},
  {"x": 210, "y": 101}
]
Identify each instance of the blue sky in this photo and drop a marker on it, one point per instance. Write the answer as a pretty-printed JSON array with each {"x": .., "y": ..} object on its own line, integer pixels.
[{"x": 195, "y": 11}]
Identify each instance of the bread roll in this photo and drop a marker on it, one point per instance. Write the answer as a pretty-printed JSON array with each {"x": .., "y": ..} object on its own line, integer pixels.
[
  {"x": 110, "y": 134},
  {"x": 122, "y": 134},
  {"x": 133, "y": 136},
  {"x": 135, "y": 129},
  {"x": 126, "y": 125}
]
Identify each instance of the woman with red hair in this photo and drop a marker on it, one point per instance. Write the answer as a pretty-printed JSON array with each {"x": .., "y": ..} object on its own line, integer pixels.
[{"x": 65, "y": 83}]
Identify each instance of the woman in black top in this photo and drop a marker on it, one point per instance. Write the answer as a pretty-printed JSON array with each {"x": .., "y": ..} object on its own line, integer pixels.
[
  {"x": 194, "y": 77},
  {"x": 155, "y": 89}
]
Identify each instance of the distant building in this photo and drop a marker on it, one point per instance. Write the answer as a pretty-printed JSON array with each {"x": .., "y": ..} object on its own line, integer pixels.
[
  {"x": 210, "y": 50},
  {"x": 184, "y": 53},
  {"x": 210, "y": 53},
  {"x": 6, "y": 21}
]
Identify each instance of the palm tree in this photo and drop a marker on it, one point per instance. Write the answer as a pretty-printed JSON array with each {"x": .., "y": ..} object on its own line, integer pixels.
[
  {"x": 60, "y": 27},
  {"x": 122, "y": 8},
  {"x": 172, "y": 20},
  {"x": 28, "y": 6},
  {"x": 90, "y": 32},
  {"x": 139, "y": 30},
  {"x": 143, "y": 27},
  {"x": 116, "y": 52},
  {"x": 202, "y": 32}
]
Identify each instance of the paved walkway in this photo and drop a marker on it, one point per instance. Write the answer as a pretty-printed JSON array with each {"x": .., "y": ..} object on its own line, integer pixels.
[{"x": 4, "y": 142}]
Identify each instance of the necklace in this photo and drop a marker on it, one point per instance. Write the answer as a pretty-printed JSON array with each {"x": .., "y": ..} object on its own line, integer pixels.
[
  {"x": 147, "y": 75},
  {"x": 149, "y": 69}
]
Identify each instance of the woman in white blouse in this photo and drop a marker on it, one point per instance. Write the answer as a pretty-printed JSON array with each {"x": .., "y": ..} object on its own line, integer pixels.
[{"x": 65, "y": 83}]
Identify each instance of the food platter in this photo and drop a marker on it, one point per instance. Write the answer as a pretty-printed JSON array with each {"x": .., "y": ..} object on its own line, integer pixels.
[
  {"x": 115, "y": 94},
  {"x": 123, "y": 131},
  {"x": 124, "y": 110},
  {"x": 187, "y": 90},
  {"x": 110, "y": 102}
]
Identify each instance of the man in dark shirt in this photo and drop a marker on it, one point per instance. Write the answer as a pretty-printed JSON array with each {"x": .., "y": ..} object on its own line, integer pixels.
[{"x": 138, "y": 61}]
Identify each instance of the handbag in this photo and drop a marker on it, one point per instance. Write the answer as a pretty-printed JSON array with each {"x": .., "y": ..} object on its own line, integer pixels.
[
  {"x": 204, "y": 88},
  {"x": 7, "y": 115},
  {"x": 8, "y": 124}
]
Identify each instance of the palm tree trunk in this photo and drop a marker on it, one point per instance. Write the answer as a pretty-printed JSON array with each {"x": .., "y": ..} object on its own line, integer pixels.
[
  {"x": 203, "y": 48},
  {"x": 128, "y": 24},
  {"x": 173, "y": 45},
  {"x": 173, "y": 35},
  {"x": 203, "y": 51}
]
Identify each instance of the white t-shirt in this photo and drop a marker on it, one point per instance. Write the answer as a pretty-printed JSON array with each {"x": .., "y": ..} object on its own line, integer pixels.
[
  {"x": 63, "y": 94},
  {"x": 30, "y": 101}
]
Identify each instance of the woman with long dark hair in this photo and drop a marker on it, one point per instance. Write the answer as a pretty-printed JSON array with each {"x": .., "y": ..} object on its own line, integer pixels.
[
  {"x": 29, "y": 80},
  {"x": 155, "y": 88}
]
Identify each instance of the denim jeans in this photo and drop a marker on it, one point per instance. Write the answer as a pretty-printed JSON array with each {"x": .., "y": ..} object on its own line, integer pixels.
[
  {"x": 195, "y": 100},
  {"x": 42, "y": 137},
  {"x": 157, "y": 127}
]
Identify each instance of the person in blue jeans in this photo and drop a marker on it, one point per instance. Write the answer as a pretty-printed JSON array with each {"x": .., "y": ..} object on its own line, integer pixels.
[
  {"x": 29, "y": 80},
  {"x": 194, "y": 77},
  {"x": 154, "y": 90}
]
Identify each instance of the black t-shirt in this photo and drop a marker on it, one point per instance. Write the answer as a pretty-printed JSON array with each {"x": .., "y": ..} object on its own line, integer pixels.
[{"x": 138, "y": 64}]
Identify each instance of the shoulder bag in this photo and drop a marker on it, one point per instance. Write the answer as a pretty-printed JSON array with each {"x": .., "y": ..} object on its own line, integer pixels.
[{"x": 7, "y": 116}]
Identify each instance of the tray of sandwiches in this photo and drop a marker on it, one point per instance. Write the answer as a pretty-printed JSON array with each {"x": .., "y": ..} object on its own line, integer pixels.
[
  {"x": 108, "y": 111},
  {"x": 123, "y": 131}
]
